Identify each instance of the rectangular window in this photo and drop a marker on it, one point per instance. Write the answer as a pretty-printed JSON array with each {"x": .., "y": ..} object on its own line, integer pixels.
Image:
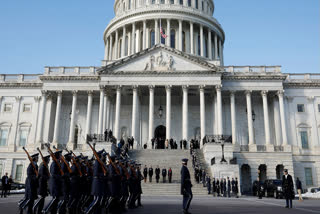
[
  {"x": 304, "y": 139},
  {"x": 19, "y": 172},
  {"x": 26, "y": 107},
  {"x": 23, "y": 138},
  {"x": 308, "y": 173},
  {"x": 300, "y": 107},
  {"x": 7, "y": 107},
  {"x": 3, "y": 137}
]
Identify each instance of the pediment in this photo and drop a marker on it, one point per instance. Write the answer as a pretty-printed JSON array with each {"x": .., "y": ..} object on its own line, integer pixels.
[{"x": 159, "y": 59}]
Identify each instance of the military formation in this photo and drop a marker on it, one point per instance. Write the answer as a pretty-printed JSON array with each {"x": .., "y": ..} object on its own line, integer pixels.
[{"x": 79, "y": 184}]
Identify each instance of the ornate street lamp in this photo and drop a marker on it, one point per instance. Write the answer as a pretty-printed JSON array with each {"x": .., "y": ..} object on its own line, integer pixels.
[
  {"x": 223, "y": 160},
  {"x": 253, "y": 115},
  {"x": 160, "y": 111}
]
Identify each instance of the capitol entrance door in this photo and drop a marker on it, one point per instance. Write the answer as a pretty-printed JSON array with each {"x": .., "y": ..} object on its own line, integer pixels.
[{"x": 160, "y": 136}]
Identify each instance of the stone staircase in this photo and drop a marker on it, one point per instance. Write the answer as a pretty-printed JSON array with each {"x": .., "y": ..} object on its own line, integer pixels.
[{"x": 165, "y": 159}]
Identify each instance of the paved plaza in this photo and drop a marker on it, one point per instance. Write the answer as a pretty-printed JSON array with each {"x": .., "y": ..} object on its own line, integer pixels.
[{"x": 201, "y": 205}]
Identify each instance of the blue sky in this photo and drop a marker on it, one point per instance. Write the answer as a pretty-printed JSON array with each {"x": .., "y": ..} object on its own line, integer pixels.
[{"x": 38, "y": 33}]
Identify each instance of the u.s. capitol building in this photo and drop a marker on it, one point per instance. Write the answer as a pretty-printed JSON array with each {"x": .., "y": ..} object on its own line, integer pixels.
[{"x": 178, "y": 87}]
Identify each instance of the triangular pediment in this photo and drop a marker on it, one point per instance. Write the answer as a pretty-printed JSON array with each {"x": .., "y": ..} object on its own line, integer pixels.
[{"x": 159, "y": 58}]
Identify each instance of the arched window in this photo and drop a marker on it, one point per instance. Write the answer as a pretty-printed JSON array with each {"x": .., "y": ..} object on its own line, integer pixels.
[
  {"x": 4, "y": 133},
  {"x": 173, "y": 38},
  {"x": 152, "y": 38},
  {"x": 189, "y": 3},
  {"x": 163, "y": 40},
  {"x": 183, "y": 41},
  {"x": 24, "y": 130}
]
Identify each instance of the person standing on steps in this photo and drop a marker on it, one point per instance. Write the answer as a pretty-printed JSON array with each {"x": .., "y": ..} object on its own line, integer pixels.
[
  {"x": 170, "y": 175},
  {"x": 157, "y": 171},
  {"x": 145, "y": 173},
  {"x": 186, "y": 186},
  {"x": 164, "y": 175},
  {"x": 150, "y": 174}
]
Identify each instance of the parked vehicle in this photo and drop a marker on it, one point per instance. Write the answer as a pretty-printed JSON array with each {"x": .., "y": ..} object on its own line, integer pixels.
[
  {"x": 273, "y": 188},
  {"x": 14, "y": 186}
]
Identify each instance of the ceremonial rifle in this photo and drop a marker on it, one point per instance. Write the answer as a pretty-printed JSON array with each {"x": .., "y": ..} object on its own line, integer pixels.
[
  {"x": 87, "y": 164},
  {"x": 125, "y": 170},
  {"x": 31, "y": 161},
  {"x": 114, "y": 166},
  {"x": 64, "y": 160},
  {"x": 75, "y": 162},
  {"x": 54, "y": 158},
  {"x": 133, "y": 171},
  {"x": 43, "y": 161},
  {"x": 98, "y": 159}
]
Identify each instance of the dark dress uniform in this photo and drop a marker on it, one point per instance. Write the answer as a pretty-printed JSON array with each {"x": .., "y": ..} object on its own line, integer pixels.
[
  {"x": 208, "y": 185},
  {"x": 114, "y": 185},
  {"x": 150, "y": 174},
  {"x": 288, "y": 192},
  {"x": 139, "y": 188},
  {"x": 31, "y": 186},
  {"x": 214, "y": 188},
  {"x": 145, "y": 174},
  {"x": 170, "y": 175},
  {"x": 218, "y": 187},
  {"x": 65, "y": 184},
  {"x": 164, "y": 175},
  {"x": 186, "y": 187},
  {"x": 74, "y": 189},
  {"x": 157, "y": 171}
]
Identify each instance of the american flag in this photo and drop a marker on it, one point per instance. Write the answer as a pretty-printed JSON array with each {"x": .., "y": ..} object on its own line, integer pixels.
[{"x": 163, "y": 35}]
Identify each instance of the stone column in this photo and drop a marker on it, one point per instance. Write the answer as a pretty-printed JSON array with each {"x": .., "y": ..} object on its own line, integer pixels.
[
  {"x": 168, "y": 113},
  {"x": 89, "y": 113},
  {"x": 156, "y": 32},
  {"x": 123, "y": 47},
  {"x": 180, "y": 35},
  {"x": 106, "y": 50},
  {"x": 185, "y": 112},
  {"x": 168, "y": 41},
  {"x": 104, "y": 115},
  {"x": 138, "y": 40},
  {"x": 100, "y": 119},
  {"x": 201, "y": 41},
  {"x": 134, "y": 111},
  {"x": 133, "y": 39},
  {"x": 191, "y": 39},
  {"x": 202, "y": 114},
  {"x": 41, "y": 118},
  {"x": 116, "y": 45},
  {"x": 283, "y": 121},
  {"x": 249, "y": 117},
  {"x": 220, "y": 51},
  {"x": 266, "y": 117},
  {"x": 151, "y": 112},
  {"x": 107, "y": 116},
  {"x": 72, "y": 120},
  {"x": 277, "y": 122},
  {"x": 117, "y": 116},
  {"x": 209, "y": 44},
  {"x": 219, "y": 108},
  {"x": 144, "y": 34},
  {"x": 233, "y": 117},
  {"x": 110, "y": 46},
  {"x": 57, "y": 119},
  {"x": 215, "y": 46}
]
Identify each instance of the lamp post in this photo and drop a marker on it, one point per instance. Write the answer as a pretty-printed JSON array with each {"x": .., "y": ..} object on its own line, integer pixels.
[
  {"x": 223, "y": 160},
  {"x": 160, "y": 111}
]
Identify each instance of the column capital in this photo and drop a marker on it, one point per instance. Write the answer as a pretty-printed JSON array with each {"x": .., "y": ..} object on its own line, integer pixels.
[
  {"x": 280, "y": 93},
  {"x": 37, "y": 98},
  {"x": 90, "y": 93},
  {"x": 59, "y": 92},
  {"x": 44, "y": 92},
  {"x": 202, "y": 87},
  {"x": 135, "y": 87},
  {"x": 118, "y": 87},
  {"x": 264, "y": 93},
  {"x": 185, "y": 87},
  {"x": 74, "y": 92},
  {"x": 218, "y": 87},
  {"x": 248, "y": 92},
  {"x": 168, "y": 88},
  {"x": 232, "y": 93},
  {"x": 151, "y": 87},
  {"x": 18, "y": 98}
]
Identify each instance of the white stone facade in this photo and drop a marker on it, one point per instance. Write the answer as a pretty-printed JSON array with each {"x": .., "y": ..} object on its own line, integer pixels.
[{"x": 257, "y": 105}]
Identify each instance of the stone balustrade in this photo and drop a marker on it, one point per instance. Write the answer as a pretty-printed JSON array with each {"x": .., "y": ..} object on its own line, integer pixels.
[
  {"x": 70, "y": 71},
  {"x": 16, "y": 78},
  {"x": 252, "y": 69},
  {"x": 302, "y": 77}
]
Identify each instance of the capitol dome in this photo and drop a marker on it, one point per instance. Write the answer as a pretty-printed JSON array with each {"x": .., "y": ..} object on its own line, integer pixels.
[{"x": 185, "y": 25}]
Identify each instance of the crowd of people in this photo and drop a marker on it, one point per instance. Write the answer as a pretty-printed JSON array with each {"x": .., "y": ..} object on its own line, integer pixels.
[
  {"x": 78, "y": 184},
  {"x": 6, "y": 183},
  {"x": 148, "y": 172}
]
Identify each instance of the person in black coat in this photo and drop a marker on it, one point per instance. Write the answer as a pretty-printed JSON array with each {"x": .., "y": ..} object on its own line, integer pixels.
[
  {"x": 204, "y": 175},
  {"x": 186, "y": 186},
  {"x": 74, "y": 186},
  {"x": 218, "y": 187},
  {"x": 224, "y": 187},
  {"x": 145, "y": 173},
  {"x": 229, "y": 187},
  {"x": 214, "y": 187},
  {"x": 288, "y": 188},
  {"x": 157, "y": 171},
  {"x": 65, "y": 179},
  {"x": 150, "y": 174},
  {"x": 139, "y": 188},
  {"x": 5, "y": 185},
  {"x": 208, "y": 180},
  {"x": 43, "y": 178},
  {"x": 236, "y": 188},
  {"x": 170, "y": 175},
  {"x": 164, "y": 175}
]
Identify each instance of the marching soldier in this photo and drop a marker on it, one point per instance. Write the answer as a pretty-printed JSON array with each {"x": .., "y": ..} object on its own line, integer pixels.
[
  {"x": 74, "y": 185},
  {"x": 186, "y": 186},
  {"x": 132, "y": 185},
  {"x": 65, "y": 183},
  {"x": 43, "y": 178}
]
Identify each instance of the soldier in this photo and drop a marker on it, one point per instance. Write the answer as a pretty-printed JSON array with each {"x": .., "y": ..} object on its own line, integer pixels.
[
  {"x": 157, "y": 171},
  {"x": 170, "y": 175},
  {"x": 43, "y": 178},
  {"x": 287, "y": 186},
  {"x": 236, "y": 188},
  {"x": 164, "y": 175},
  {"x": 55, "y": 184},
  {"x": 65, "y": 183},
  {"x": 145, "y": 173},
  {"x": 124, "y": 184},
  {"x": 229, "y": 187},
  {"x": 139, "y": 189},
  {"x": 31, "y": 185},
  {"x": 114, "y": 184},
  {"x": 214, "y": 188},
  {"x": 74, "y": 185},
  {"x": 186, "y": 186},
  {"x": 233, "y": 186},
  {"x": 150, "y": 174},
  {"x": 208, "y": 180},
  {"x": 132, "y": 185},
  {"x": 218, "y": 187}
]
